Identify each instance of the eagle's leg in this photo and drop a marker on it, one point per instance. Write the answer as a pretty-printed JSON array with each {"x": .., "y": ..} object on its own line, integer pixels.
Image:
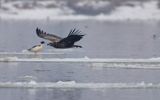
[{"x": 77, "y": 46}]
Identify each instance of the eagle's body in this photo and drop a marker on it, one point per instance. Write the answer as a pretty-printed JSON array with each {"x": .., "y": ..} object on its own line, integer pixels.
[{"x": 58, "y": 42}]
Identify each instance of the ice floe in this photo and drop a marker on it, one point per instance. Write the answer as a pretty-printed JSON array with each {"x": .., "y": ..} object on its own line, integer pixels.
[{"x": 73, "y": 84}]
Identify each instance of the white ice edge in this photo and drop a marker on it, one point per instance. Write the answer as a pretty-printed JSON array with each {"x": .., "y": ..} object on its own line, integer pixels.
[
  {"x": 73, "y": 84},
  {"x": 152, "y": 63},
  {"x": 94, "y": 62},
  {"x": 84, "y": 60},
  {"x": 29, "y": 53}
]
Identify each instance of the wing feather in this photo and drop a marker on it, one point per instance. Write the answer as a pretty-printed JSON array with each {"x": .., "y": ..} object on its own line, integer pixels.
[
  {"x": 50, "y": 37},
  {"x": 73, "y": 36}
]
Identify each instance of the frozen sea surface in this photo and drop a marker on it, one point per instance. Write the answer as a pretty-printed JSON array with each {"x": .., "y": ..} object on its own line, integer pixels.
[{"x": 130, "y": 49}]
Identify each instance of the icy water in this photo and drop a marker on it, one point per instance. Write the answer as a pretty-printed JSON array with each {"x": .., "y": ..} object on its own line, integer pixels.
[{"x": 104, "y": 39}]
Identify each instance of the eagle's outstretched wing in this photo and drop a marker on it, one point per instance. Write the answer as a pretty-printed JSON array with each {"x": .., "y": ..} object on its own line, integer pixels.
[
  {"x": 44, "y": 35},
  {"x": 73, "y": 36}
]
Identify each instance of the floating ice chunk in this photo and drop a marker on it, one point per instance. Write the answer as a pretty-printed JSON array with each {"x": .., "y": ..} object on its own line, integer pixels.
[
  {"x": 142, "y": 83},
  {"x": 24, "y": 51},
  {"x": 8, "y": 59},
  {"x": 66, "y": 82},
  {"x": 86, "y": 57},
  {"x": 32, "y": 82},
  {"x": 150, "y": 84},
  {"x": 98, "y": 66},
  {"x": 158, "y": 58}
]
